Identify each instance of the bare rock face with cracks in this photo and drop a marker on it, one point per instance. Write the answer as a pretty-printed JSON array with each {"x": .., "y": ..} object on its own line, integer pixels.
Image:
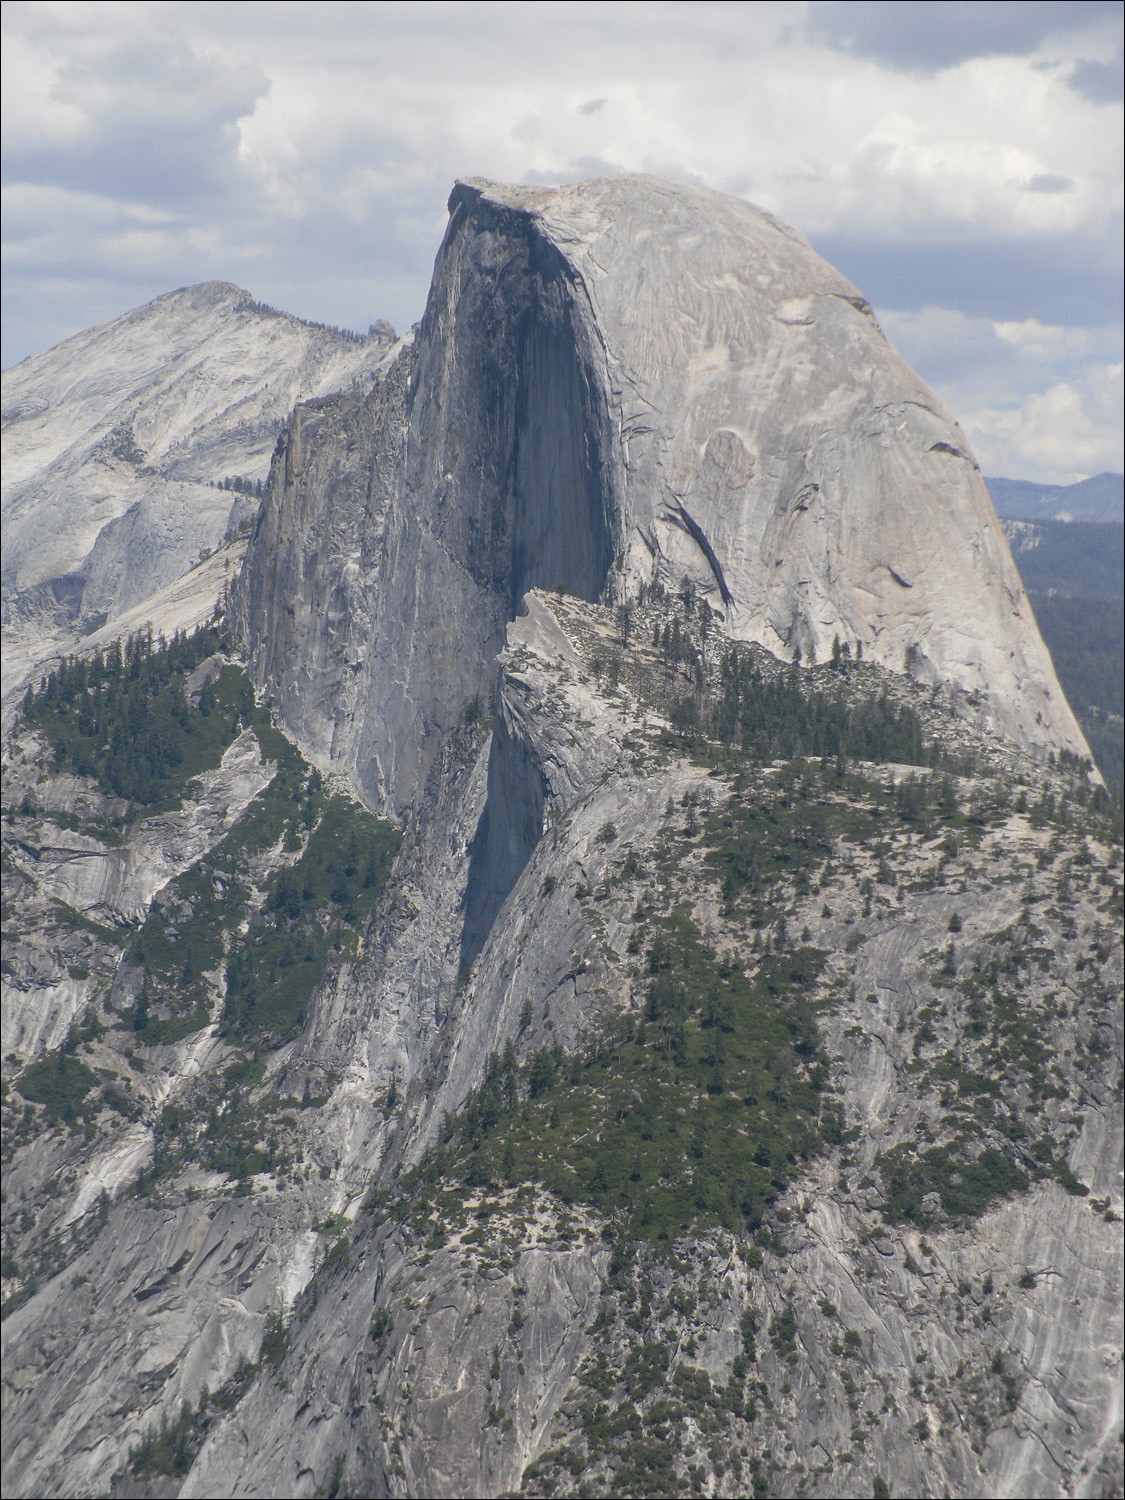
[
  {"x": 135, "y": 452},
  {"x": 615, "y": 381},
  {"x": 605, "y": 975}
]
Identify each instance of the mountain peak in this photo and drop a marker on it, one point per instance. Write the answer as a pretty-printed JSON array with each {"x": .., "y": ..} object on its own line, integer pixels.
[
  {"x": 618, "y": 382},
  {"x": 719, "y": 1047},
  {"x": 205, "y": 294},
  {"x": 122, "y": 443}
]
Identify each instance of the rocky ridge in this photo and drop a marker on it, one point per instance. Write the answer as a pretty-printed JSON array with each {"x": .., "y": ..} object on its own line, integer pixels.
[
  {"x": 116, "y": 443},
  {"x": 988, "y": 1328},
  {"x": 718, "y": 1093},
  {"x": 615, "y": 382}
]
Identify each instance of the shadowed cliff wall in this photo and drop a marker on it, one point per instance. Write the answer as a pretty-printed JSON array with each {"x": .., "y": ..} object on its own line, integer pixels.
[{"x": 402, "y": 531}]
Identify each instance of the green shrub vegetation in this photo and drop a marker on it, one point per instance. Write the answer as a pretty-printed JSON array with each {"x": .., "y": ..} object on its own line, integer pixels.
[
  {"x": 735, "y": 707},
  {"x": 229, "y": 1122},
  {"x": 1086, "y": 639},
  {"x": 1004, "y": 1064},
  {"x": 275, "y": 1342},
  {"x": 643, "y": 1412},
  {"x": 337, "y": 858},
  {"x": 231, "y": 1132},
  {"x": 170, "y": 1448},
  {"x": 125, "y": 718},
  {"x": 757, "y": 842},
  {"x": 122, "y": 715},
  {"x": 271, "y": 973},
  {"x": 967, "y": 1186},
  {"x": 697, "y": 1111},
  {"x": 343, "y": 857},
  {"x": 774, "y": 717},
  {"x": 698, "y": 1107},
  {"x": 67, "y": 1091},
  {"x": 62, "y": 1085}
]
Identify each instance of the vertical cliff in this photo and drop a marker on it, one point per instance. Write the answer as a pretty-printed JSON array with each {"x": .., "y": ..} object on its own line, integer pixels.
[
  {"x": 617, "y": 382},
  {"x": 478, "y": 468},
  {"x": 710, "y": 1086},
  {"x": 119, "y": 445}
]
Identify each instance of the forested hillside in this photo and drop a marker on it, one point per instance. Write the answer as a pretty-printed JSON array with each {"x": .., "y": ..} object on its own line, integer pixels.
[{"x": 1074, "y": 572}]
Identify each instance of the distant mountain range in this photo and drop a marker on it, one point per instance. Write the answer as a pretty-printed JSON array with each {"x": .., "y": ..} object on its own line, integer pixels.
[
  {"x": 1067, "y": 542},
  {"x": 1081, "y": 558},
  {"x": 1099, "y": 498}
]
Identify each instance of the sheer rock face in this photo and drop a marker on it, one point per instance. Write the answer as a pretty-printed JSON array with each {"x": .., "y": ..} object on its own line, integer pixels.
[
  {"x": 554, "y": 417},
  {"x": 618, "y": 380},
  {"x": 768, "y": 441},
  {"x": 113, "y": 442},
  {"x": 177, "y": 1287},
  {"x": 402, "y": 532}
]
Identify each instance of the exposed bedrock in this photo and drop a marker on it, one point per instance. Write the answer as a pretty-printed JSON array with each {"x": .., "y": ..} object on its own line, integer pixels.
[
  {"x": 510, "y": 827},
  {"x": 615, "y": 381},
  {"x": 402, "y": 532},
  {"x": 921, "y": 1304},
  {"x": 119, "y": 442},
  {"x": 770, "y": 443}
]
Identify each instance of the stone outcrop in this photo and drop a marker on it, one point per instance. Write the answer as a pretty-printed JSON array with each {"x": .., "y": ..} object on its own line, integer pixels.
[
  {"x": 618, "y": 381},
  {"x": 615, "y": 386},
  {"x": 190, "y": 1276},
  {"x": 115, "y": 440},
  {"x": 63, "y": 856}
]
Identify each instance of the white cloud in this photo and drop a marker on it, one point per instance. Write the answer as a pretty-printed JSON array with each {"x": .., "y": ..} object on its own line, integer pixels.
[
  {"x": 723, "y": 93},
  {"x": 834, "y": 142},
  {"x": 1048, "y": 341},
  {"x": 1067, "y": 432},
  {"x": 32, "y": 105},
  {"x": 1002, "y": 382},
  {"x": 310, "y": 150},
  {"x": 1008, "y": 358}
]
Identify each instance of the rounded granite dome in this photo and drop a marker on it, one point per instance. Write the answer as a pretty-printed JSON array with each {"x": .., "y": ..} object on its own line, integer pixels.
[{"x": 768, "y": 441}]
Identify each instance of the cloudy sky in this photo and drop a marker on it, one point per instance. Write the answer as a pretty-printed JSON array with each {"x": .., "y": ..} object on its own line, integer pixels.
[{"x": 961, "y": 162}]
